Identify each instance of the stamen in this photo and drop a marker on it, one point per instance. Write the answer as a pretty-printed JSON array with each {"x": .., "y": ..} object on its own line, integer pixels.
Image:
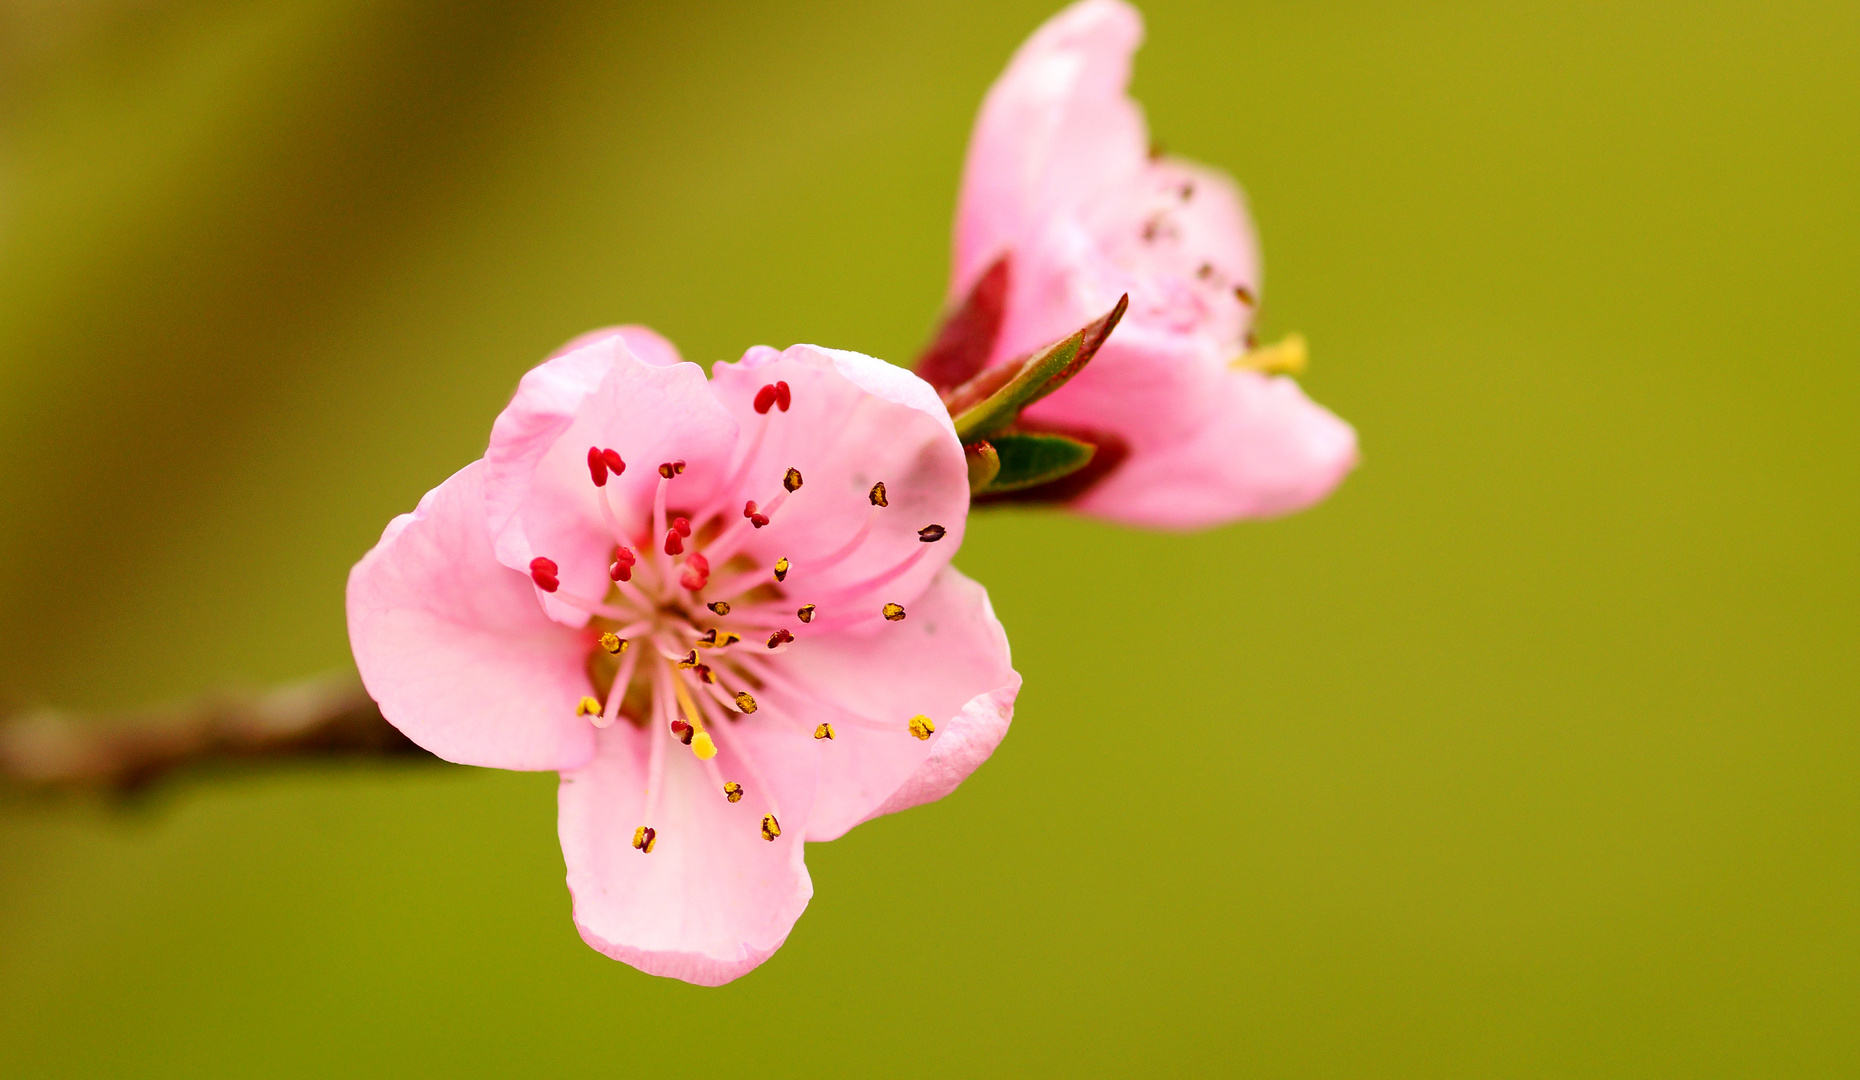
[
  {"x": 597, "y": 466},
  {"x": 893, "y": 612},
  {"x": 614, "y": 464},
  {"x": 682, "y": 525},
  {"x": 717, "y": 639},
  {"x": 930, "y": 534},
  {"x": 791, "y": 479},
  {"x": 703, "y": 672},
  {"x": 543, "y": 573},
  {"x": 765, "y": 398},
  {"x": 616, "y": 694},
  {"x": 806, "y": 614},
  {"x": 613, "y": 643},
  {"x": 780, "y": 637},
  {"x": 878, "y": 494},
  {"x": 697, "y": 572},
  {"x": 588, "y": 707},
  {"x": 1245, "y": 296},
  {"x": 669, "y": 469},
  {"x": 1285, "y": 357},
  {"x": 782, "y": 397},
  {"x": 644, "y": 838},
  {"x": 922, "y": 726},
  {"x": 621, "y": 569},
  {"x": 756, "y": 519},
  {"x": 824, "y": 731},
  {"x": 683, "y": 732},
  {"x": 733, "y": 791},
  {"x": 674, "y": 543},
  {"x": 850, "y": 546},
  {"x": 781, "y": 570},
  {"x": 884, "y": 577},
  {"x": 721, "y": 607},
  {"x": 770, "y": 827},
  {"x": 745, "y": 702},
  {"x": 689, "y": 660},
  {"x": 701, "y": 743}
]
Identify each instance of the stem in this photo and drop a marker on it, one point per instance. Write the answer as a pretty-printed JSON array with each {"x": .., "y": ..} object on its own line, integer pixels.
[{"x": 330, "y": 716}]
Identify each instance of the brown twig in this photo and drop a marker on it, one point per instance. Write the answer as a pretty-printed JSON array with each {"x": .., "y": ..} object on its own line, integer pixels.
[{"x": 325, "y": 717}]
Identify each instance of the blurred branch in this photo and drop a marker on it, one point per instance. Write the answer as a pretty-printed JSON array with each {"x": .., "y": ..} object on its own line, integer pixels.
[{"x": 330, "y": 716}]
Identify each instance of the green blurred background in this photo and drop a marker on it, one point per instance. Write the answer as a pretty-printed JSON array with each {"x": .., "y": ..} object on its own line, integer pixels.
[{"x": 1533, "y": 752}]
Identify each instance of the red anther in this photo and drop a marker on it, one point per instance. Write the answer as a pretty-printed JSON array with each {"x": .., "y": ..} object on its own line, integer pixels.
[
  {"x": 614, "y": 464},
  {"x": 765, "y": 397},
  {"x": 678, "y": 466},
  {"x": 624, "y": 556},
  {"x": 697, "y": 572},
  {"x": 620, "y": 571},
  {"x": 749, "y": 509},
  {"x": 683, "y": 732},
  {"x": 780, "y": 637},
  {"x": 674, "y": 543},
  {"x": 597, "y": 466},
  {"x": 666, "y": 470},
  {"x": 542, "y": 572},
  {"x": 758, "y": 520},
  {"x": 782, "y": 396},
  {"x": 683, "y": 525}
]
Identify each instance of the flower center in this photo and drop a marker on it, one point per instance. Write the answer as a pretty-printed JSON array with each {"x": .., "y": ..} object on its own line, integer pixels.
[{"x": 692, "y": 626}]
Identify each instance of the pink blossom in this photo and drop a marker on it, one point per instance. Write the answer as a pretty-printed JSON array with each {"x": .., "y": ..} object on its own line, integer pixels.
[
  {"x": 722, "y": 608},
  {"x": 1060, "y": 180}
]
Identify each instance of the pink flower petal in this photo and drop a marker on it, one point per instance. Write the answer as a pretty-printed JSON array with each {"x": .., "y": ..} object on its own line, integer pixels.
[
  {"x": 1054, "y": 131},
  {"x": 453, "y": 646},
  {"x": 855, "y": 421},
  {"x": 540, "y": 498},
  {"x": 713, "y": 899},
  {"x": 1248, "y": 445},
  {"x": 948, "y": 660},
  {"x": 646, "y": 343}
]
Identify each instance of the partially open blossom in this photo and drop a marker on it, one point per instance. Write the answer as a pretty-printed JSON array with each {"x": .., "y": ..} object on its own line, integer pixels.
[
  {"x": 722, "y": 608},
  {"x": 1064, "y": 208}
]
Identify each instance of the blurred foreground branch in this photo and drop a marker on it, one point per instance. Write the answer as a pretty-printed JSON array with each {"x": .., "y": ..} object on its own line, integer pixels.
[{"x": 330, "y": 716}]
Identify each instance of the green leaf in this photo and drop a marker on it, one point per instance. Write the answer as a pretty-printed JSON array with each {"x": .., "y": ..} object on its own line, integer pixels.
[
  {"x": 991, "y": 402},
  {"x": 1029, "y": 459}
]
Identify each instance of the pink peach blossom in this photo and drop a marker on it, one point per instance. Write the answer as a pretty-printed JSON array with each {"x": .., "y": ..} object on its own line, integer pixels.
[
  {"x": 1060, "y": 181},
  {"x": 722, "y": 608}
]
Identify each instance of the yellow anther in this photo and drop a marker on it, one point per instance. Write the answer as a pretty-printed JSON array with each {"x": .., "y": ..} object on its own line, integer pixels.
[
  {"x": 588, "y": 707},
  {"x": 806, "y": 614},
  {"x": 922, "y": 726},
  {"x": 894, "y": 612},
  {"x": 703, "y": 747},
  {"x": 824, "y": 731},
  {"x": 644, "y": 838},
  {"x": 689, "y": 660},
  {"x": 792, "y": 480},
  {"x": 1245, "y": 296},
  {"x": 718, "y": 639},
  {"x": 745, "y": 702},
  {"x": 781, "y": 568},
  {"x": 878, "y": 494},
  {"x": 703, "y": 672},
  {"x": 721, "y": 607},
  {"x": 1288, "y": 357},
  {"x": 613, "y": 643},
  {"x": 708, "y": 637},
  {"x": 733, "y": 791},
  {"x": 770, "y": 827}
]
